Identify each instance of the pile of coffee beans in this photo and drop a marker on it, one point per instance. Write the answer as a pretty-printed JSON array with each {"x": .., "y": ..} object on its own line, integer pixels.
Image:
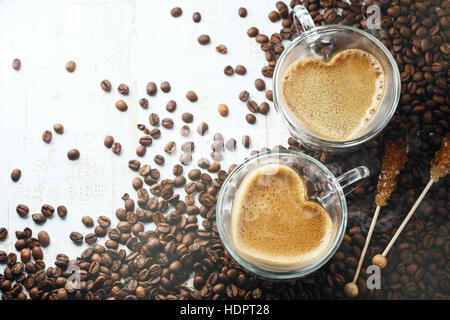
[{"x": 158, "y": 260}]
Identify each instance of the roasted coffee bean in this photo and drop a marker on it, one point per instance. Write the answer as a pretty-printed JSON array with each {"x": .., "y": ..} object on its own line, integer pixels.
[
  {"x": 121, "y": 105},
  {"x": 176, "y": 12},
  {"x": 47, "y": 210},
  {"x": 186, "y": 158},
  {"x": 104, "y": 221},
  {"x": 167, "y": 123},
  {"x": 252, "y": 32},
  {"x": 222, "y": 49},
  {"x": 59, "y": 128},
  {"x": 260, "y": 85},
  {"x": 100, "y": 231},
  {"x": 242, "y": 12},
  {"x": 185, "y": 131},
  {"x": 214, "y": 167},
  {"x": 262, "y": 38},
  {"x": 116, "y": 148},
  {"x": 141, "y": 150},
  {"x": 171, "y": 106},
  {"x": 76, "y": 237},
  {"x": 143, "y": 102},
  {"x": 123, "y": 89},
  {"x": 187, "y": 117},
  {"x": 194, "y": 174},
  {"x": 3, "y": 233},
  {"x": 228, "y": 71},
  {"x": 151, "y": 88},
  {"x": 231, "y": 144},
  {"x": 70, "y": 66},
  {"x": 16, "y": 64},
  {"x": 223, "y": 110},
  {"x": 274, "y": 16},
  {"x": 22, "y": 210},
  {"x": 73, "y": 154},
  {"x": 137, "y": 183},
  {"x": 109, "y": 140},
  {"x": 105, "y": 85},
  {"x": 252, "y": 106},
  {"x": 159, "y": 159},
  {"x": 263, "y": 108},
  {"x": 165, "y": 86},
  {"x": 153, "y": 119},
  {"x": 188, "y": 146},
  {"x": 240, "y": 70},
  {"x": 246, "y": 141},
  {"x": 16, "y": 174},
  {"x": 177, "y": 170},
  {"x": 243, "y": 96},
  {"x": 90, "y": 238},
  {"x": 196, "y": 17},
  {"x": 61, "y": 211},
  {"x": 38, "y": 218},
  {"x": 250, "y": 118},
  {"x": 203, "y": 163},
  {"x": 47, "y": 136},
  {"x": 202, "y": 128},
  {"x": 269, "y": 95},
  {"x": 155, "y": 133},
  {"x": 44, "y": 239},
  {"x": 191, "y": 96},
  {"x": 170, "y": 147},
  {"x": 204, "y": 39}
]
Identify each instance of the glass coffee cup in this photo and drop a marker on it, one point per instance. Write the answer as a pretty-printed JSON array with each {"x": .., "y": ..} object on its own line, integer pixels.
[
  {"x": 321, "y": 186},
  {"x": 322, "y": 43}
]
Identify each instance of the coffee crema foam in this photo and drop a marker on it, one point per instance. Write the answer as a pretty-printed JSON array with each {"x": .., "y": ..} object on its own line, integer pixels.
[
  {"x": 335, "y": 98},
  {"x": 273, "y": 223}
]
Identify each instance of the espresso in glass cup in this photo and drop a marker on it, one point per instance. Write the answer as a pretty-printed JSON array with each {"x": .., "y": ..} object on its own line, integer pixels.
[
  {"x": 336, "y": 87},
  {"x": 282, "y": 214}
]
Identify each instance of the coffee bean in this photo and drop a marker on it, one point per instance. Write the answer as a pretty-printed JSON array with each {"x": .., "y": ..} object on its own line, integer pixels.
[
  {"x": 204, "y": 39},
  {"x": 187, "y": 117},
  {"x": 87, "y": 221},
  {"x": 153, "y": 119},
  {"x": 244, "y": 95},
  {"x": 185, "y": 131},
  {"x": 104, "y": 221},
  {"x": 170, "y": 147},
  {"x": 76, "y": 237},
  {"x": 143, "y": 102},
  {"x": 223, "y": 110},
  {"x": 218, "y": 137},
  {"x": 252, "y": 32},
  {"x": 191, "y": 96},
  {"x": 152, "y": 88},
  {"x": 22, "y": 210},
  {"x": 203, "y": 163},
  {"x": 260, "y": 85},
  {"x": 250, "y": 118},
  {"x": 116, "y": 147},
  {"x": 242, "y": 12},
  {"x": 61, "y": 211},
  {"x": 73, "y": 154},
  {"x": 70, "y": 66},
  {"x": 16, "y": 174},
  {"x": 105, "y": 85},
  {"x": 177, "y": 170},
  {"x": 108, "y": 142},
  {"x": 222, "y": 49},
  {"x": 141, "y": 150},
  {"x": 155, "y": 133},
  {"x": 176, "y": 12},
  {"x": 194, "y": 174},
  {"x": 121, "y": 105},
  {"x": 231, "y": 144},
  {"x": 241, "y": 70},
  {"x": 159, "y": 159},
  {"x": 252, "y": 106},
  {"x": 123, "y": 89},
  {"x": 47, "y": 210},
  {"x": 202, "y": 128},
  {"x": 145, "y": 141},
  {"x": 16, "y": 64},
  {"x": 246, "y": 141},
  {"x": 263, "y": 108},
  {"x": 44, "y": 239},
  {"x": 274, "y": 16},
  {"x": 171, "y": 106},
  {"x": 165, "y": 86},
  {"x": 90, "y": 238},
  {"x": 217, "y": 145},
  {"x": 186, "y": 158},
  {"x": 196, "y": 17},
  {"x": 58, "y": 127},
  {"x": 3, "y": 233},
  {"x": 214, "y": 167},
  {"x": 228, "y": 71},
  {"x": 269, "y": 95},
  {"x": 47, "y": 136}
]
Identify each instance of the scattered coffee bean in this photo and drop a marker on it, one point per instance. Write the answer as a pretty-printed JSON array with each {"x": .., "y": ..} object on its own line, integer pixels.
[
  {"x": 59, "y": 128},
  {"x": 222, "y": 49},
  {"x": 87, "y": 221},
  {"x": 137, "y": 183},
  {"x": 44, "y": 239},
  {"x": 165, "y": 86},
  {"x": 203, "y": 163},
  {"x": 186, "y": 158},
  {"x": 191, "y": 96},
  {"x": 104, "y": 221},
  {"x": 260, "y": 85},
  {"x": 176, "y": 12},
  {"x": 223, "y": 110},
  {"x": 47, "y": 210},
  {"x": 143, "y": 103},
  {"x": 263, "y": 108},
  {"x": 90, "y": 238},
  {"x": 250, "y": 118},
  {"x": 194, "y": 174},
  {"x": 242, "y": 12},
  {"x": 155, "y": 133},
  {"x": 274, "y": 16},
  {"x": 105, "y": 85},
  {"x": 76, "y": 237},
  {"x": 108, "y": 142},
  {"x": 187, "y": 117},
  {"x": 25, "y": 255},
  {"x": 123, "y": 89},
  {"x": 262, "y": 38},
  {"x": 121, "y": 105},
  {"x": 244, "y": 95},
  {"x": 241, "y": 70},
  {"x": 153, "y": 118},
  {"x": 269, "y": 95},
  {"x": 22, "y": 210},
  {"x": 177, "y": 170},
  {"x": 47, "y": 136},
  {"x": 116, "y": 147},
  {"x": 15, "y": 175},
  {"x": 38, "y": 218},
  {"x": 141, "y": 150},
  {"x": 231, "y": 144},
  {"x": 228, "y": 71},
  {"x": 171, "y": 106},
  {"x": 73, "y": 154},
  {"x": 70, "y": 66},
  {"x": 16, "y": 64},
  {"x": 252, "y": 32},
  {"x": 252, "y": 106},
  {"x": 61, "y": 211},
  {"x": 204, "y": 39},
  {"x": 214, "y": 167},
  {"x": 196, "y": 17},
  {"x": 3, "y": 233},
  {"x": 185, "y": 131},
  {"x": 202, "y": 128},
  {"x": 146, "y": 141},
  {"x": 100, "y": 231},
  {"x": 159, "y": 159},
  {"x": 151, "y": 88},
  {"x": 246, "y": 141},
  {"x": 170, "y": 147}
]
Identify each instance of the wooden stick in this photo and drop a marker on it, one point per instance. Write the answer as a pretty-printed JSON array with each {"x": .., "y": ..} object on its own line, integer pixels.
[
  {"x": 411, "y": 212},
  {"x": 366, "y": 244}
]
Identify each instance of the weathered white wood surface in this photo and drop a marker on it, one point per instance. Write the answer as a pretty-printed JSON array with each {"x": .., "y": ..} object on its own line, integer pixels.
[{"x": 130, "y": 42}]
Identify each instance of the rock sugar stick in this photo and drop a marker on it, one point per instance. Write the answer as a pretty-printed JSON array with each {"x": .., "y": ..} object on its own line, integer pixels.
[
  {"x": 440, "y": 167},
  {"x": 394, "y": 159}
]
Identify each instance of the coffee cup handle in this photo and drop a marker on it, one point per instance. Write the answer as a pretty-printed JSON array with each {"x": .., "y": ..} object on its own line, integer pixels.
[
  {"x": 352, "y": 179},
  {"x": 304, "y": 20}
]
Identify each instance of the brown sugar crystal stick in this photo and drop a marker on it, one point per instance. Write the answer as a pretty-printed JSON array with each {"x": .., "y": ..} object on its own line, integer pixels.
[
  {"x": 440, "y": 167},
  {"x": 393, "y": 162}
]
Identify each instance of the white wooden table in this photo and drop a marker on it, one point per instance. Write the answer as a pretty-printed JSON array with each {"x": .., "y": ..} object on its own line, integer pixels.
[{"x": 132, "y": 42}]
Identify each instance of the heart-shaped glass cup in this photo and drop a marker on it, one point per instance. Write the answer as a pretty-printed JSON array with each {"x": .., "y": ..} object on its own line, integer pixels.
[{"x": 321, "y": 186}]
